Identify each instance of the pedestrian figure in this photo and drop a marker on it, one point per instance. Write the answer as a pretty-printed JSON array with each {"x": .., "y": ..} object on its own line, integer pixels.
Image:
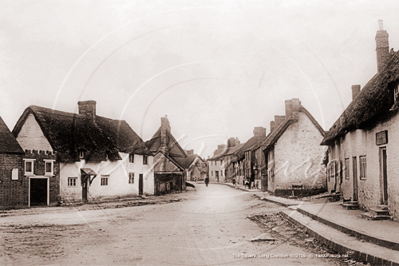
[
  {"x": 234, "y": 182},
  {"x": 206, "y": 181},
  {"x": 246, "y": 183}
]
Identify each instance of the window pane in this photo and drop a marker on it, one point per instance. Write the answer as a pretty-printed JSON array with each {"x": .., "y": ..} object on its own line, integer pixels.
[
  {"x": 48, "y": 167},
  {"x": 28, "y": 166}
]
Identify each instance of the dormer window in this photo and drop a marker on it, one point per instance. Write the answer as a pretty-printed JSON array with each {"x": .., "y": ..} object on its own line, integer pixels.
[{"x": 81, "y": 154}]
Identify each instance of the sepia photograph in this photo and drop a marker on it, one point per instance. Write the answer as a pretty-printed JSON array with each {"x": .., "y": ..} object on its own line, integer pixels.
[{"x": 199, "y": 132}]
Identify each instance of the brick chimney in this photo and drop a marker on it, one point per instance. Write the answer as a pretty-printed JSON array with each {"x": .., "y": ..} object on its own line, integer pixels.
[
  {"x": 382, "y": 46},
  {"x": 165, "y": 127},
  {"x": 190, "y": 152},
  {"x": 87, "y": 108},
  {"x": 237, "y": 142},
  {"x": 259, "y": 132},
  {"x": 355, "y": 91}
]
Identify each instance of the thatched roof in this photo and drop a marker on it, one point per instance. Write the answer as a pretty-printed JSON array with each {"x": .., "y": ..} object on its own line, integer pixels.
[
  {"x": 8, "y": 143},
  {"x": 273, "y": 136},
  {"x": 188, "y": 161},
  {"x": 247, "y": 145},
  {"x": 374, "y": 100},
  {"x": 69, "y": 133}
]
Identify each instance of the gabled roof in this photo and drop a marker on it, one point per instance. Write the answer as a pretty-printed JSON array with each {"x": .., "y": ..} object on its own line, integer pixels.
[
  {"x": 219, "y": 152},
  {"x": 173, "y": 160},
  {"x": 247, "y": 145},
  {"x": 279, "y": 131},
  {"x": 374, "y": 100},
  {"x": 175, "y": 150},
  {"x": 188, "y": 161},
  {"x": 69, "y": 133},
  {"x": 8, "y": 143}
]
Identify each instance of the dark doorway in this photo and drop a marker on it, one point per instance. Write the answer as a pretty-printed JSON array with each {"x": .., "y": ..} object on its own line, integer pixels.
[
  {"x": 217, "y": 176},
  {"x": 140, "y": 184},
  {"x": 85, "y": 181},
  {"x": 383, "y": 176},
  {"x": 355, "y": 197},
  {"x": 38, "y": 192}
]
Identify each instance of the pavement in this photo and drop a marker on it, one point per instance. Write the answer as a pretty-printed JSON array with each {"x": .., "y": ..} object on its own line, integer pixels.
[{"x": 345, "y": 231}]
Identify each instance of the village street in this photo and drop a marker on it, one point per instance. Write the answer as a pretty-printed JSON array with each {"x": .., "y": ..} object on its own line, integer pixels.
[{"x": 208, "y": 227}]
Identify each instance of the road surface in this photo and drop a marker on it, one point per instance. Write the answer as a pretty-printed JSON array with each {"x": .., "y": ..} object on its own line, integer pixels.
[{"x": 210, "y": 227}]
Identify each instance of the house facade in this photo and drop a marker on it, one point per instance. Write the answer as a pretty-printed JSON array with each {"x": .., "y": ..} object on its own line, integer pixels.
[
  {"x": 14, "y": 184},
  {"x": 216, "y": 165},
  {"x": 362, "y": 143},
  {"x": 292, "y": 156},
  {"x": 170, "y": 174},
  {"x": 83, "y": 156}
]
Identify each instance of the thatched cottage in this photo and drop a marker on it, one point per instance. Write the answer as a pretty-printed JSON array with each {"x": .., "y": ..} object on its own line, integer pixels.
[
  {"x": 362, "y": 143},
  {"x": 82, "y": 157}
]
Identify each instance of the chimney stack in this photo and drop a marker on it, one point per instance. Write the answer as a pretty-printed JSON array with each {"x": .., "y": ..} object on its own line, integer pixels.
[
  {"x": 288, "y": 108},
  {"x": 272, "y": 126},
  {"x": 279, "y": 119},
  {"x": 382, "y": 46},
  {"x": 259, "y": 132},
  {"x": 190, "y": 152},
  {"x": 165, "y": 127},
  {"x": 237, "y": 142},
  {"x": 355, "y": 91},
  {"x": 87, "y": 108}
]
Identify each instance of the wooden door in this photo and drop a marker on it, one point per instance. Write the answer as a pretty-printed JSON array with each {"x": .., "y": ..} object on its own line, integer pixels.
[
  {"x": 84, "y": 187},
  {"x": 140, "y": 184},
  {"x": 383, "y": 176}
]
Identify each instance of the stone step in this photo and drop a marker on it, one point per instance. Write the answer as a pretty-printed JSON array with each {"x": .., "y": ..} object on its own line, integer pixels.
[
  {"x": 378, "y": 212},
  {"x": 371, "y": 216},
  {"x": 342, "y": 243},
  {"x": 382, "y": 207},
  {"x": 350, "y": 205}
]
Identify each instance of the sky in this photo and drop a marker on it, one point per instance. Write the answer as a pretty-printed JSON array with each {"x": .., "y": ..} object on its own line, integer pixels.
[{"x": 216, "y": 68}]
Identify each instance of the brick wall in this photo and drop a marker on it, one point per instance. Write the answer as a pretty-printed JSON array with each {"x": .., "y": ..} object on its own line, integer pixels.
[{"x": 12, "y": 192}]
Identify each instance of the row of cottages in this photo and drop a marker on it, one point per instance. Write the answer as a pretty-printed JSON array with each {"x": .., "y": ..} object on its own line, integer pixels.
[
  {"x": 216, "y": 165},
  {"x": 169, "y": 160},
  {"x": 72, "y": 157},
  {"x": 362, "y": 143}
]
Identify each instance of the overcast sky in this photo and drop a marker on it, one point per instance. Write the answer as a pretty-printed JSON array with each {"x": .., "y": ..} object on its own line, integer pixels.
[{"x": 216, "y": 68}]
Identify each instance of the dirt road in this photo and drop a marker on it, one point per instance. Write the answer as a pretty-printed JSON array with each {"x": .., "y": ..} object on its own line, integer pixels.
[{"x": 209, "y": 228}]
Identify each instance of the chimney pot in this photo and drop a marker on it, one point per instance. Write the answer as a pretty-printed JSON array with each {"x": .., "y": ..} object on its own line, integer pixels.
[
  {"x": 355, "y": 91},
  {"x": 382, "y": 47},
  {"x": 380, "y": 24}
]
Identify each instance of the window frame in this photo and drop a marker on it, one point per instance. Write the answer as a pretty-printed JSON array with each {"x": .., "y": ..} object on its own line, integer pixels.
[
  {"x": 82, "y": 154},
  {"x": 32, "y": 172},
  {"x": 145, "y": 159},
  {"x": 347, "y": 163},
  {"x": 131, "y": 158},
  {"x": 74, "y": 181},
  {"x": 131, "y": 178},
  {"x": 46, "y": 161},
  {"x": 363, "y": 167},
  {"x": 105, "y": 178}
]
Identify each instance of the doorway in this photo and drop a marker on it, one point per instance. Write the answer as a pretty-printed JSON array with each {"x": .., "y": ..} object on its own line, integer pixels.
[
  {"x": 38, "y": 195},
  {"x": 383, "y": 176},
  {"x": 140, "y": 184},
  {"x": 217, "y": 176}
]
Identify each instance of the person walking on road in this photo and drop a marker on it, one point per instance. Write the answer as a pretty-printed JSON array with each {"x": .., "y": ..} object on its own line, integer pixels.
[
  {"x": 206, "y": 181},
  {"x": 234, "y": 182}
]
